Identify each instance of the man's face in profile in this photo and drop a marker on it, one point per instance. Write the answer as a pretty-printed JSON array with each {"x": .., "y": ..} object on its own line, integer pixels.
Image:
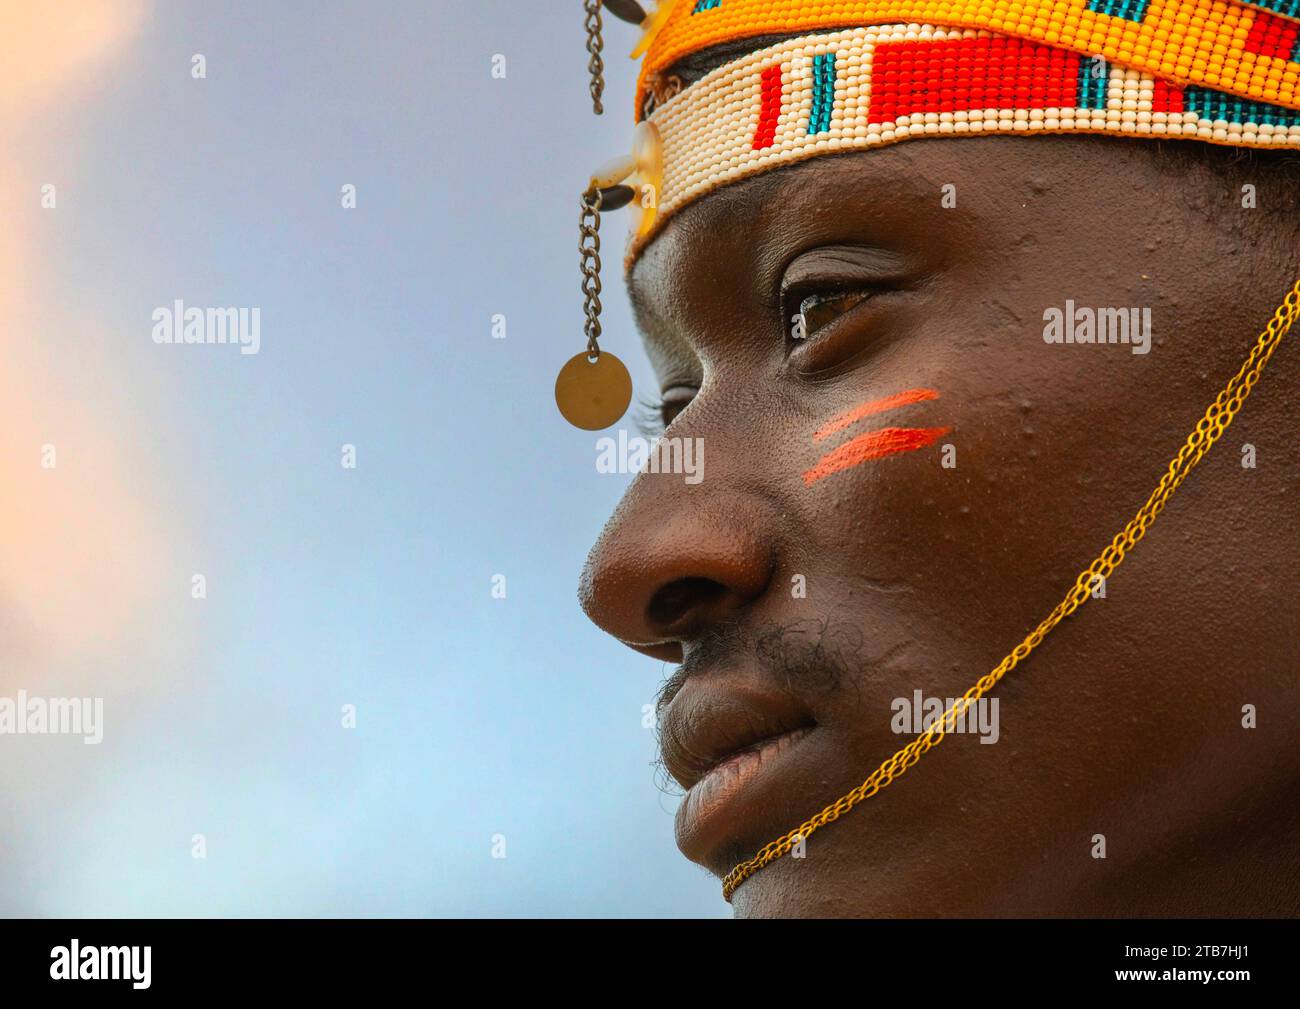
[{"x": 905, "y": 480}]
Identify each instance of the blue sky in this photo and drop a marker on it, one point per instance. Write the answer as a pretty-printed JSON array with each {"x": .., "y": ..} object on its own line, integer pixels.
[{"x": 328, "y": 586}]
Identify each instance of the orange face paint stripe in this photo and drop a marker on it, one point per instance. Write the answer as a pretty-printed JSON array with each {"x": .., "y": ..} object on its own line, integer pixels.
[
  {"x": 849, "y": 417},
  {"x": 873, "y": 445}
]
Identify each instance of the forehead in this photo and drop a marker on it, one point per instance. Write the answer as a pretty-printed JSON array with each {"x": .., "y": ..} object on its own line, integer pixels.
[
  {"x": 971, "y": 202},
  {"x": 889, "y": 197},
  {"x": 1058, "y": 179}
]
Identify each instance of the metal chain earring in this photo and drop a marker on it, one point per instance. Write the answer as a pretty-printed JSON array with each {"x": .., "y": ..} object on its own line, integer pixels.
[{"x": 594, "y": 389}]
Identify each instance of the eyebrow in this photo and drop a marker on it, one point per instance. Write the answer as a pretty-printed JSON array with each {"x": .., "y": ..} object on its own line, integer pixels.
[
  {"x": 843, "y": 263},
  {"x": 849, "y": 417}
]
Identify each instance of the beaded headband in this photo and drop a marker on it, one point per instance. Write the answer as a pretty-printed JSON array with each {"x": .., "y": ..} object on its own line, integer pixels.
[
  {"x": 868, "y": 87},
  {"x": 1244, "y": 48},
  {"x": 1213, "y": 70}
]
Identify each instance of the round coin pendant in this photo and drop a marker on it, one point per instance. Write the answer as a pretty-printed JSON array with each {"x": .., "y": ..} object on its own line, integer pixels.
[{"x": 593, "y": 394}]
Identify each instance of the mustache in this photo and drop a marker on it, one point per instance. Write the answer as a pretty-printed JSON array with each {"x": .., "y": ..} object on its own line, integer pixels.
[{"x": 813, "y": 653}]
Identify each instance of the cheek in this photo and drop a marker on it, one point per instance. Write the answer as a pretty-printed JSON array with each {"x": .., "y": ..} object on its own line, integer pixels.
[
  {"x": 915, "y": 500},
  {"x": 871, "y": 476}
]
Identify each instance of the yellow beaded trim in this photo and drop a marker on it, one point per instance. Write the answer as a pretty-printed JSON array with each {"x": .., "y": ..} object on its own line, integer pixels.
[{"x": 1188, "y": 41}]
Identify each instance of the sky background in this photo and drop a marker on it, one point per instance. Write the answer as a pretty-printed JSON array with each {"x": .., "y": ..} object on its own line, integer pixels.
[{"x": 325, "y": 586}]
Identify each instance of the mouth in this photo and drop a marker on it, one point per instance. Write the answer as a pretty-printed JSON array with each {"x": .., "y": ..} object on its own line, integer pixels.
[
  {"x": 727, "y": 781},
  {"x": 734, "y": 751}
]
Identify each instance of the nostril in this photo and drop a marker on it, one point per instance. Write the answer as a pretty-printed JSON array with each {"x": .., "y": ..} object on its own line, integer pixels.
[{"x": 678, "y": 598}]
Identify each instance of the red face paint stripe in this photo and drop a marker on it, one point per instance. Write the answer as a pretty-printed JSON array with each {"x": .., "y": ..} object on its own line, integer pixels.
[
  {"x": 873, "y": 445},
  {"x": 843, "y": 420}
]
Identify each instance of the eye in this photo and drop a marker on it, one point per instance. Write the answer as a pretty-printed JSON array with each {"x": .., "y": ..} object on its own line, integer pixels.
[
  {"x": 657, "y": 415},
  {"x": 819, "y": 310}
]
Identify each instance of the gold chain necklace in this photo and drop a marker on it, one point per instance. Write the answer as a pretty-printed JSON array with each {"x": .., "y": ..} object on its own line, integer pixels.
[{"x": 1208, "y": 430}]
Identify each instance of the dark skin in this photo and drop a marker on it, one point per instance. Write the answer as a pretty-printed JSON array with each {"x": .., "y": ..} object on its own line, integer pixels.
[{"x": 1127, "y": 721}]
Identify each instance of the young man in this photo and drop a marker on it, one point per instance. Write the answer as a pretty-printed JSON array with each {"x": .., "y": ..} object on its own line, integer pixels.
[{"x": 934, "y": 380}]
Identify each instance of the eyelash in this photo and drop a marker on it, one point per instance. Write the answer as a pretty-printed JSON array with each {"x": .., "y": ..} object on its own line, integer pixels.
[
  {"x": 820, "y": 297},
  {"x": 650, "y": 419}
]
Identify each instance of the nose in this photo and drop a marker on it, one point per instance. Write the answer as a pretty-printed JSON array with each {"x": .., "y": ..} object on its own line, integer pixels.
[{"x": 674, "y": 559}]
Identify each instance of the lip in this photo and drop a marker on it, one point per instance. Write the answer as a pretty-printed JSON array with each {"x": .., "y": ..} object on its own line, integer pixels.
[
  {"x": 727, "y": 745},
  {"x": 719, "y": 797}
]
